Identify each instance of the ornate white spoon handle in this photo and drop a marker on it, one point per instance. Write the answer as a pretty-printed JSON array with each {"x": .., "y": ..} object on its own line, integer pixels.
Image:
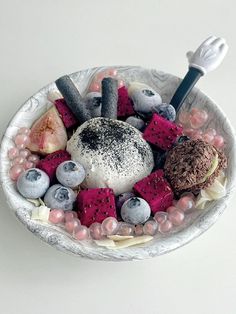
[{"x": 206, "y": 58}]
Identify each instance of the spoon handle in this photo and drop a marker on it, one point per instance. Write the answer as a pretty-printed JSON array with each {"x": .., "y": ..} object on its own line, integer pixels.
[{"x": 185, "y": 87}]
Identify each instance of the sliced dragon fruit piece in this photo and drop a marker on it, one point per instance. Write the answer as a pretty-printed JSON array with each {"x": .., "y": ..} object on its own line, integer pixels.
[
  {"x": 156, "y": 191},
  {"x": 95, "y": 205},
  {"x": 161, "y": 132},
  {"x": 50, "y": 163},
  {"x": 65, "y": 113},
  {"x": 125, "y": 104}
]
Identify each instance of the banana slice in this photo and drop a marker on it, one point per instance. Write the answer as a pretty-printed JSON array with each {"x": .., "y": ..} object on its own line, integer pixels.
[
  {"x": 118, "y": 238},
  {"x": 36, "y": 201},
  {"x": 131, "y": 242},
  {"x": 106, "y": 242},
  {"x": 40, "y": 213}
]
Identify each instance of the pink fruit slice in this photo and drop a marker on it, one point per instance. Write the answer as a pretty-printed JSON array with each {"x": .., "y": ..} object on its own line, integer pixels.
[
  {"x": 161, "y": 132},
  {"x": 50, "y": 163},
  {"x": 65, "y": 113},
  {"x": 125, "y": 104},
  {"x": 48, "y": 133},
  {"x": 156, "y": 191},
  {"x": 95, "y": 205}
]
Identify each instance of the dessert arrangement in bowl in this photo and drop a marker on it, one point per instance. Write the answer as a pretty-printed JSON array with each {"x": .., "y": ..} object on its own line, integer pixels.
[{"x": 117, "y": 163}]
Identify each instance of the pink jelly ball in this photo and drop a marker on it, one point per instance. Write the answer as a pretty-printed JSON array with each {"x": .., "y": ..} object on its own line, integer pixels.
[
  {"x": 95, "y": 87},
  {"x": 34, "y": 158},
  {"x": 21, "y": 140},
  {"x": 109, "y": 226},
  {"x": 218, "y": 141},
  {"x": 165, "y": 226},
  {"x": 13, "y": 153},
  {"x": 72, "y": 225},
  {"x": 184, "y": 117},
  {"x": 150, "y": 227},
  {"x": 56, "y": 216},
  {"x": 125, "y": 229},
  {"x": 189, "y": 194},
  {"x": 189, "y": 132},
  {"x": 197, "y": 135},
  {"x": 81, "y": 233},
  {"x": 171, "y": 209},
  {"x": 15, "y": 171},
  {"x": 18, "y": 160},
  {"x": 28, "y": 165},
  {"x": 24, "y": 131},
  {"x": 185, "y": 203},
  {"x": 112, "y": 72},
  {"x": 24, "y": 153},
  {"x": 211, "y": 132},
  {"x": 176, "y": 217},
  {"x": 198, "y": 118},
  {"x": 121, "y": 83},
  {"x": 138, "y": 230},
  {"x": 96, "y": 231},
  {"x": 208, "y": 138},
  {"x": 160, "y": 217},
  {"x": 70, "y": 215}
]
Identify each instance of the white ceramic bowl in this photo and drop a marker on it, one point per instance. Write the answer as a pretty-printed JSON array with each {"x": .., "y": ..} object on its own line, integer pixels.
[{"x": 197, "y": 223}]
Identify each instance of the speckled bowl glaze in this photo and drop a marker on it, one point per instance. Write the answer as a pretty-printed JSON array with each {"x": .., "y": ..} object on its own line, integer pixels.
[{"x": 196, "y": 223}]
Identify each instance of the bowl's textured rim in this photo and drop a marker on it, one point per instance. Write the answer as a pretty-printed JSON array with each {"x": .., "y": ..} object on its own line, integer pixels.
[{"x": 160, "y": 244}]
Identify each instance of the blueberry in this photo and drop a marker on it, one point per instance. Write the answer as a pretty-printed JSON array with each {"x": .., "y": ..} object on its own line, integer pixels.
[
  {"x": 120, "y": 199},
  {"x": 159, "y": 159},
  {"x": 70, "y": 173},
  {"x": 182, "y": 139},
  {"x": 136, "y": 122},
  {"x": 135, "y": 211},
  {"x": 166, "y": 111},
  {"x": 60, "y": 197},
  {"x": 33, "y": 183},
  {"x": 144, "y": 97}
]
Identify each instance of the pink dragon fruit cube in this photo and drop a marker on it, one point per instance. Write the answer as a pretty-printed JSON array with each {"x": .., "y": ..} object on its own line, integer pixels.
[
  {"x": 156, "y": 191},
  {"x": 95, "y": 205},
  {"x": 125, "y": 104},
  {"x": 65, "y": 113},
  {"x": 50, "y": 163},
  {"x": 161, "y": 132}
]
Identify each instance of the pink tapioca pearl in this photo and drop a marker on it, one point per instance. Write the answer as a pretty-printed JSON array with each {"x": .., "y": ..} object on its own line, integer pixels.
[
  {"x": 189, "y": 194},
  {"x": 218, "y": 141},
  {"x": 171, "y": 209},
  {"x": 112, "y": 72},
  {"x": 95, "y": 87},
  {"x": 70, "y": 215},
  {"x": 138, "y": 230},
  {"x": 197, "y": 135},
  {"x": 24, "y": 131},
  {"x": 185, "y": 203},
  {"x": 28, "y": 165},
  {"x": 13, "y": 153},
  {"x": 109, "y": 226},
  {"x": 165, "y": 226},
  {"x": 198, "y": 118},
  {"x": 150, "y": 227},
  {"x": 34, "y": 158},
  {"x": 208, "y": 138},
  {"x": 56, "y": 216},
  {"x": 72, "y": 225},
  {"x": 211, "y": 132},
  {"x": 121, "y": 83},
  {"x": 96, "y": 231},
  {"x": 24, "y": 153},
  {"x": 21, "y": 140},
  {"x": 189, "y": 132},
  {"x": 176, "y": 217},
  {"x": 15, "y": 171},
  {"x": 160, "y": 217},
  {"x": 18, "y": 160},
  {"x": 125, "y": 229},
  {"x": 81, "y": 233},
  {"x": 184, "y": 117}
]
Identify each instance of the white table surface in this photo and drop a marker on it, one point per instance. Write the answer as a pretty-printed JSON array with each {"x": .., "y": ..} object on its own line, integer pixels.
[{"x": 40, "y": 41}]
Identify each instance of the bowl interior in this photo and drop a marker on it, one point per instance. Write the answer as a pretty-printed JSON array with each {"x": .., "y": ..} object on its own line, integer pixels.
[{"x": 196, "y": 223}]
